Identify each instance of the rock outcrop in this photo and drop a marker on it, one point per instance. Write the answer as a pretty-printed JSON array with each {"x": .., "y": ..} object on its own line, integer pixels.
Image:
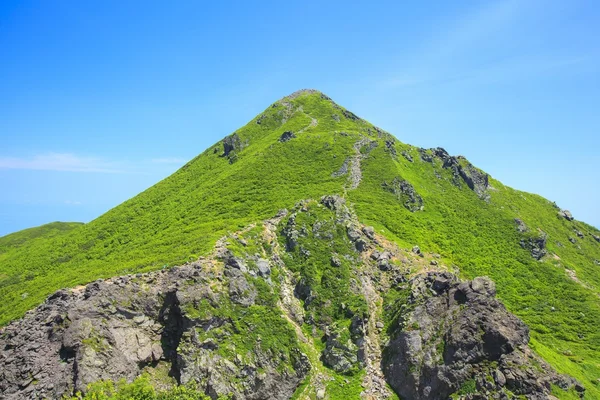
[
  {"x": 536, "y": 245},
  {"x": 455, "y": 335},
  {"x": 462, "y": 171},
  {"x": 243, "y": 322},
  {"x": 117, "y": 328},
  {"x": 566, "y": 214},
  {"x": 406, "y": 193}
]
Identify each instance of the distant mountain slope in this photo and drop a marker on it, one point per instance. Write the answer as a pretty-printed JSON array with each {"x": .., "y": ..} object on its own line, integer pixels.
[
  {"x": 545, "y": 264},
  {"x": 21, "y": 238}
]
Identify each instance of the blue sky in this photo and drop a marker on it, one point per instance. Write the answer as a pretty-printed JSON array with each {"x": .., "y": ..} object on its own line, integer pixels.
[{"x": 99, "y": 100}]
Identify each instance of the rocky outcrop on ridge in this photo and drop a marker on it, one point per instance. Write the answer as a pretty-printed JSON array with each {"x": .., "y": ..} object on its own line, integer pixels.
[
  {"x": 462, "y": 170},
  {"x": 454, "y": 336},
  {"x": 117, "y": 328},
  {"x": 244, "y": 322}
]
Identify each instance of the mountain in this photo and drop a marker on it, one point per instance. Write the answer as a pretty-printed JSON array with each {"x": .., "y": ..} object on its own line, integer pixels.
[
  {"x": 26, "y": 236},
  {"x": 361, "y": 285}
]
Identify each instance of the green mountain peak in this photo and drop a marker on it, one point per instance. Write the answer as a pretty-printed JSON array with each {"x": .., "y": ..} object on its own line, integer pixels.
[{"x": 545, "y": 264}]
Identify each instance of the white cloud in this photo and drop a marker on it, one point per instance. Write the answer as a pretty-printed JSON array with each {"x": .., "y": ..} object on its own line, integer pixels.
[
  {"x": 61, "y": 162},
  {"x": 72, "y": 203}
]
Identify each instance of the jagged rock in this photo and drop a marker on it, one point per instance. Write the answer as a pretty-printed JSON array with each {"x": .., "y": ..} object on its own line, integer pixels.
[
  {"x": 241, "y": 292},
  {"x": 390, "y": 146},
  {"x": 566, "y": 214},
  {"x": 425, "y": 156},
  {"x": 333, "y": 202},
  {"x": 339, "y": 357},
  {"x": 477, "y": 180},
  {"x": 572, "y": 240},
  {"x": 286, "y": 136},
  {"x": 451, "y": 334},
  {"x": 115, "y": 328},
  {"x": 406, "y": 193},
  {"x": 231, "y": 144},
  {"x": 521, "y": 227},
  {"x": 536, "y": 245},
  {"x": 350, "y": 115},
  {"x": 416, "y": 250},
  {"x": 579, "y": 233},
  {"x": 596, "y": 238},
  {"x": 407, "y": 156},
  {"x": 263, "y": 267},
  {"x": 369, "y": 232}
]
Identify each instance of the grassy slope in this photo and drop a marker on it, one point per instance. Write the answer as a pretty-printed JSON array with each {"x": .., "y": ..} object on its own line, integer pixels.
[
  {"x": 21, "y": 238},
  {"x": 181, "y": 218}
]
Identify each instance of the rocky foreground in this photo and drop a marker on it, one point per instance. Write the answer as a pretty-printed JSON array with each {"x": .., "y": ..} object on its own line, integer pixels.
[{"x": 252, "y": 322}]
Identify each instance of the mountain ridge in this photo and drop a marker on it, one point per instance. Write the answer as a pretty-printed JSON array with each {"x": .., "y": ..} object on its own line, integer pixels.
[{"x": 411, "y": 195}]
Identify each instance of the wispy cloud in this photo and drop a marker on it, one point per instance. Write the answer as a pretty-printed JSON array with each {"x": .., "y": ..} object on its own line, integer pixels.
[
  {"x": 72, "y": 203},
  {"x": 69, "y": 162},
  {"x": 61, "y": 162},
  {"x": 459, "y": 49},
  {"x": 169, "y": 160}
]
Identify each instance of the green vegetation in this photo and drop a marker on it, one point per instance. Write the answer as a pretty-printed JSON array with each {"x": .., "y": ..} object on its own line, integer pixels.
[
  {"x": 183, "y": 216},
  {"x": 27, "y": 236},
  {"x": 140, "y": 389}
]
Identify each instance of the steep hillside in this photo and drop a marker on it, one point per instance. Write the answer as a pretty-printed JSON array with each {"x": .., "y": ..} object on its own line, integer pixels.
[{"x": 545, "y": 264}]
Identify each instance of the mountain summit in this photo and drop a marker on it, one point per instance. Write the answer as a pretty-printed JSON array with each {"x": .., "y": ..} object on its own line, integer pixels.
[{"x": 310, "y": 254}]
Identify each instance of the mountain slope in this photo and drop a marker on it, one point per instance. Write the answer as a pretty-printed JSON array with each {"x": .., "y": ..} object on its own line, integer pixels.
[
  {"x": 20, "y": 238},
  {"x": 305, "y": 146}
]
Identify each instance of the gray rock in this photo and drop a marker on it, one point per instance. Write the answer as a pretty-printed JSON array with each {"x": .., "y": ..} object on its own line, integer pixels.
[
  {"x": 333, "y": 202},
  {"x": 579, "y": 233},
  {"x": 264, "y": 269},
  {"x": 405, "y": 193},
  {"x": 521, "y": 227},
  {"x": 453, "y": 333},
  {"x": 369, "y": 232},
  {"x": 536, "y": 245},
  {"x": 79, "y": 337},
  {"x": 339, "y": 357},
  {"x": 343, "y": 169},
  {"x": 566, "y": 214},
  {"x": 286, "y": 136}
]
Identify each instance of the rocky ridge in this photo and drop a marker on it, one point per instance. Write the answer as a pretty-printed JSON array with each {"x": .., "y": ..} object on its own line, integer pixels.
[{"x": 399, "y": 314}]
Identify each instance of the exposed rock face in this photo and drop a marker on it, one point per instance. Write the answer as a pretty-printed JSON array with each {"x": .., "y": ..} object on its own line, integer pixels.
[
  {"x": 477, "y": 180},
  {"x": 566, "y": 214},
  {"x": 323, "y": 280},
  {"x": 232, "y": 144},
  {"x": 406, "y": 193},
  {"x": 453, "y": 332},
  {"x": 462, "y": 171},
  {"x": 521, "y": 227},
  {"x": 286, "y": 136},
  {"x": 596, "y": 238},
  {"x": 536, "y": 245},
  {"x": 115, "y": 328}
]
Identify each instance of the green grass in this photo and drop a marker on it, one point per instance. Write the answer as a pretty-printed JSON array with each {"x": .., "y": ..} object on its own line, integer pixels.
[{"x": 182, "y": 216}]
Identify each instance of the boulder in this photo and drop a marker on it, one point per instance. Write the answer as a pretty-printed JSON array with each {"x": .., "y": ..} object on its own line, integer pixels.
[
  {"x": 566, "y": 214},
  {"x": 286, "y": 136}
]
